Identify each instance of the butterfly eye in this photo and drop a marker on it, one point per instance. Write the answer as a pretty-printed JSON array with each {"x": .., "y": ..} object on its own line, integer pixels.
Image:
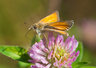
[{"x": 34, "y": 27}]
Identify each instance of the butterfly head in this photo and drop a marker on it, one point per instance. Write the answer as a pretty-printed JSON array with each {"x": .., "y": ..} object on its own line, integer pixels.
[
  {"x": 37, "y": 28},
  {"x": 34, "y": 27}
]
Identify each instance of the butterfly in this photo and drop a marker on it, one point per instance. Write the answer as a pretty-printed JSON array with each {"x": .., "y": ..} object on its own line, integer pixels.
[{"x": 52, "y": 23}]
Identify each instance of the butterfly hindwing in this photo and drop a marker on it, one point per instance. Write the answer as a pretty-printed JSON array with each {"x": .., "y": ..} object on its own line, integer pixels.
[{"x": 60, "y": 25}]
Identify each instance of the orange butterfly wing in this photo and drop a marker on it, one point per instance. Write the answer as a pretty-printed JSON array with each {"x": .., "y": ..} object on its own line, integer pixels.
[
  {"x": 60, "y": 25},
  {"x": 54, "y": 17}
]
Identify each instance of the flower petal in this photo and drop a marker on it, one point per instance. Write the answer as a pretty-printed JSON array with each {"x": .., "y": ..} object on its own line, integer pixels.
[
  {"x": 59, "y": 39},
  {"x": 34, "y": 66}
]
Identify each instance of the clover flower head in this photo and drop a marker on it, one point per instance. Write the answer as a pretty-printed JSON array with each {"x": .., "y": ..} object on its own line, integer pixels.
[{"x": 55, "y": 54}]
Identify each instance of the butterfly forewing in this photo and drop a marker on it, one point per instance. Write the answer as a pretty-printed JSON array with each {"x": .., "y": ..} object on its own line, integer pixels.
[{"x": 54, "y": 17}]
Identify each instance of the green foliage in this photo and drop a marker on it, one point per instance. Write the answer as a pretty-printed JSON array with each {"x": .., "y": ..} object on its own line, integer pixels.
[
  {"x": 88, "y": 67},
  {"x": 24, "y": 65},
  {"x": 36, "y": 38},
  {"x": 15, "y": 52},
  {"x": 80, "y": 48},
  {"x": 18, "y": 53},
  {"x": 78, "y": 62}
]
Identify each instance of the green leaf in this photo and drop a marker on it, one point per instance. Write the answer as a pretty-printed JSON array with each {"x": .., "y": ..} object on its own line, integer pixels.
[
  {"x": 82, "y": 63},
  {"x": 88, "y": 67},
  {"x": 79, "y": 64},
  {"x": 80, "y": 48},
  {"x": 24, "y": 65},
  {"x": 79, "y": 58},
  {"x": 15, "y": 52},
  {"x": 36, "y": 38}
]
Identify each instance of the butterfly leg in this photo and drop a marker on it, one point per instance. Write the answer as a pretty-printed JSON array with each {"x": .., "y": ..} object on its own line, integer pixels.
[{"x": 46, "y": 39}]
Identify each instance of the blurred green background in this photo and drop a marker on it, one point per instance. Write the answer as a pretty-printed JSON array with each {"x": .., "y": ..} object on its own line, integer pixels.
[{"x": 16, "y": 16}]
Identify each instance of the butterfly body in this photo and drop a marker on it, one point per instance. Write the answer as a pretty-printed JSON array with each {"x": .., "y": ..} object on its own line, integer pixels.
[{"x": 52, "y": 23}]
